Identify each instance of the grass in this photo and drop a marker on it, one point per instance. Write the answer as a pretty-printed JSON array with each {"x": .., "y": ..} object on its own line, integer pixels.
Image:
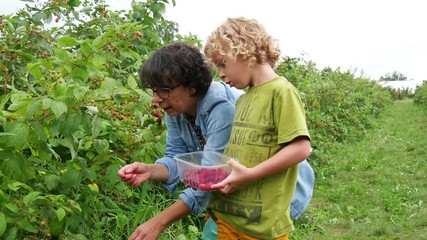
[{"x": 375, "y": 188}]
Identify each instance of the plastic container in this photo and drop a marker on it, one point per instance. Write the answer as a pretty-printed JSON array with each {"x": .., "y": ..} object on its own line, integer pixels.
[{"x": 199, "y": 170}]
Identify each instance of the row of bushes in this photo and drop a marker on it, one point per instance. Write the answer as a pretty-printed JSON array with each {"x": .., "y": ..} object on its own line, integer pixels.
[
  {"x": 339, "y": 105},
  {"x": 420, "y": 96},
  {"x": 72, "y": 114}
]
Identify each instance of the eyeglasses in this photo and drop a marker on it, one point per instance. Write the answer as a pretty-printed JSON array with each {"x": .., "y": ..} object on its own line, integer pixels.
[{"x": 163, "y": 93}]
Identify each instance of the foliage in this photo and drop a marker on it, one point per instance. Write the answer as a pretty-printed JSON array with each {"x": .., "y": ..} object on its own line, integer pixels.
[
  {"x": 72, "y": 113},
  {"x": 420, "y": 96},
  {"x": 394, "y": 76},
  {"x": 339, "y": 106},
  {"x": 400, "y": 94}
]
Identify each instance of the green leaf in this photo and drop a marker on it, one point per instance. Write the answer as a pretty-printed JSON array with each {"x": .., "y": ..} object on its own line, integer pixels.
[
  {"x": 101, "y": 145},
  {"x": 73, "y": 3},
  {"x": 11, "y": 27},
  {"x": 18, "y": 167},
  {"x": 80, "y": 92},
  {"x": 132, "y": 82},
  {"x": 181, "y": 237},
  {"x": 90, "y": 154},
  {"x": 110, "y": 84},
  {"x": 60, "y": 90},
  {"x": 130, "y": 54},
  {"x": 27, "y": 226},
  {"x": 19, "y": 101},
  {"x": 97, "y": 43},
  {"x": 51, "y": 181},
  {"x": 12, "y": 207},
  {"x": 98, "y": 61},
  {"x": 3, "y": 196},
  {"x": 93, "y": 186},
  {"x": 39, "y": 16},
  {"x": 34, "y": 108},
  {"x": 3, "y": 100},
  {"x": 7, "y": 134},
  {"x": 80, "y": 74},
  {"x": 71, "y": 124},
  {"x": 60, "y": 213},
  {"x": 46, "y": 103},
  {"x": 15, "y": 186},
  {"x": 67, "y": 142},
  {"x": 3, "y": 223},
  {"x": 86, "y": 49},
  {"x": 43, "y": 44},
  {"x": 30, "y": 197},
  {"x": 20, "y": 133},
  {"x": 58, "y": 108},
  {"x": 61, "y": 54},
  {"x": 71, "y": 178},
  {"x": 34, "y": 70},
  {"x": 21, "y": 30},
  {"x": 12, "y": 233},
  {"x": 38, "y": 129},
  {"x": 67, "y": 42},
  {"x": 89, "y": 173},
  {"x": 126, "y": 54},
  {"x": 96, "y": 126}
]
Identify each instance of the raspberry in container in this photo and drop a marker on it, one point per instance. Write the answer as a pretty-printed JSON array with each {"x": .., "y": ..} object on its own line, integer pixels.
[{"x": 201, "y": 169}]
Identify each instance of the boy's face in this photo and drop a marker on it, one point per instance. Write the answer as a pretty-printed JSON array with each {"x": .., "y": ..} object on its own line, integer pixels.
[{"x": 234, "y": 72}]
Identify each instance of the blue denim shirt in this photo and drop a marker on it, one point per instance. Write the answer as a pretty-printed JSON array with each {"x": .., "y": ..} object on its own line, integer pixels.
[
  {"x": 215, "y": 115},
  {"x": 303, "y": 191}
]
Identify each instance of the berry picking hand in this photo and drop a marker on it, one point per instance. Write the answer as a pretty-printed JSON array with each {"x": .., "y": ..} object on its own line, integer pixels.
[
  {"x": 239, "y": 176},
  {"x": 149, "y": 230},
  {"x": 134, "y": 174}
]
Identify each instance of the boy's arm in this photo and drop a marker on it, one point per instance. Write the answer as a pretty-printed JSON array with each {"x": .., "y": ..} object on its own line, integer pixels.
[{"x": 290, "y": 155}]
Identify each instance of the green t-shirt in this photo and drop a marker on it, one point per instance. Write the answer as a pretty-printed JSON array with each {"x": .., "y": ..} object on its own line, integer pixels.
[{"x": 267, "y": 116}]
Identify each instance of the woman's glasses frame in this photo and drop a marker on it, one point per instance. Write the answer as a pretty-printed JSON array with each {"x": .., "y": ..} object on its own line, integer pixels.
[{"x": 163, "y": 92}]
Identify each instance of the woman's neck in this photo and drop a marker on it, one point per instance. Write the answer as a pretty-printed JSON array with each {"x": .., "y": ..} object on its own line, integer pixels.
[{"x": 192, "y": 110}]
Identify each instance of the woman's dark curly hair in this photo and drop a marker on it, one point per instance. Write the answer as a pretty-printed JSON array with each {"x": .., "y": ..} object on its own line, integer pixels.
[{"x": 177, "y": 64}]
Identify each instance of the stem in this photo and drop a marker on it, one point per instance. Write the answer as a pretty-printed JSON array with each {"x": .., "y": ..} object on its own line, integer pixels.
[{"x": 6, "y": 70}]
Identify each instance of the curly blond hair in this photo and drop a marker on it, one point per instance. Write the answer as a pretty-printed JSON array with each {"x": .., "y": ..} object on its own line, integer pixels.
[{"x": 242, "y": 38}]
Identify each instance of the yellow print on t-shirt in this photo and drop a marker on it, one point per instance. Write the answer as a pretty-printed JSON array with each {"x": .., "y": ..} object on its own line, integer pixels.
[{"x": 250, "y": 210}]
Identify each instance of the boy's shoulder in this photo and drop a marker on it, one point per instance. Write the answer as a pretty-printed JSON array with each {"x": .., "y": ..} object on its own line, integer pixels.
[{"x": 278, "y": 83}]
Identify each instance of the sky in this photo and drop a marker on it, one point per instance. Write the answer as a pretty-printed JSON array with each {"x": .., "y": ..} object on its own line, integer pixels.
[{"x": 367, "y": 37}]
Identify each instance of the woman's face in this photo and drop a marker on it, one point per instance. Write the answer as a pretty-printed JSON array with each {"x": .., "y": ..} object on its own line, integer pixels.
[{"x": 176, "y": 100}]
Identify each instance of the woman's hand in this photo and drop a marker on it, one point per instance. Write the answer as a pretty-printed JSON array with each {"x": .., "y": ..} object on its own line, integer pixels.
[
  {"x": 149, "y": 230},
  {"x": 135, "y": 174}
]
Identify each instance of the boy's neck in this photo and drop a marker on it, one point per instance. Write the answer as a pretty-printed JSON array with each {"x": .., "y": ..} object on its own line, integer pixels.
[{"x": 262, "y": 73}]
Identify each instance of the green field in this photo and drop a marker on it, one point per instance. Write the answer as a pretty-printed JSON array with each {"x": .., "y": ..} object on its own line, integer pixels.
[{"x": 375, "y": 188}]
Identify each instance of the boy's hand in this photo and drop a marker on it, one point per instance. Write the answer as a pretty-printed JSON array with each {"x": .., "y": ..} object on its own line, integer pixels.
[
  {"x": 134, "y": 174},
  {"x": 239, "y": 177}
]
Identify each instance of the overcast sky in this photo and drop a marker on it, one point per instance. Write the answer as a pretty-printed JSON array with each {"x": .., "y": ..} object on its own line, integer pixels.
[{"x": 373, "y": 36}]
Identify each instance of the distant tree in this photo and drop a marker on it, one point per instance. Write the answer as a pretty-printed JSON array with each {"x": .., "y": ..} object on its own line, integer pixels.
[{"x": 394, "y": 76}]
